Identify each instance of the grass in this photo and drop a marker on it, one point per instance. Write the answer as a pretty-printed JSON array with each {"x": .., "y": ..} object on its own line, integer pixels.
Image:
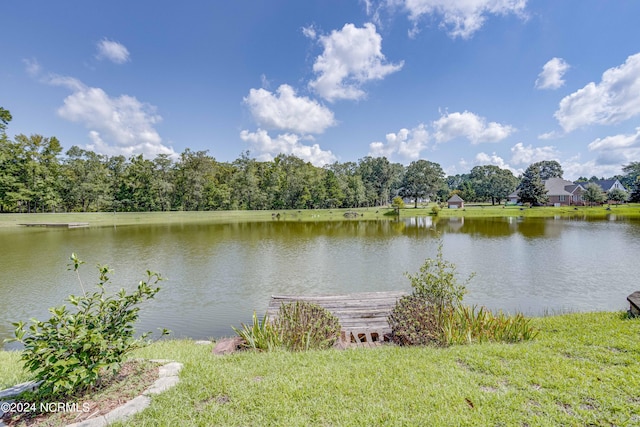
[
  {"x": 631, "y": 210},
  {"x": 106, "y": 219},
  {"x": 10, "y": 369},
  {"x": 582, "y": 369}
]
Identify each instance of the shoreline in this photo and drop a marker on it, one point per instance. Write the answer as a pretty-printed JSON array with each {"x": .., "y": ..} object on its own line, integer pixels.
[{"x": 110, "y": 219}]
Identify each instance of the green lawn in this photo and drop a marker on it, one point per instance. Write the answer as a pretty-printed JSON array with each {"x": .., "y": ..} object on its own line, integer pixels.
[
  {"x": 583, "y": 369},
  {"x": 102, "y": 219}
]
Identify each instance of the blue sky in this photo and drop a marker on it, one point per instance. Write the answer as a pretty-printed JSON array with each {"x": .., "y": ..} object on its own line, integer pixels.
[{"x": 458, "y": 82}]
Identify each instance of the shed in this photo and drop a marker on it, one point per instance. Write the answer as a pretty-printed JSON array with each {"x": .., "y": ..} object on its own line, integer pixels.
[{"x": 455, "y": 202}]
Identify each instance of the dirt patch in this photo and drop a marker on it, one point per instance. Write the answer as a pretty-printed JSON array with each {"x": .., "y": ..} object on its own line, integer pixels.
[{"x": 133, "y": 378}]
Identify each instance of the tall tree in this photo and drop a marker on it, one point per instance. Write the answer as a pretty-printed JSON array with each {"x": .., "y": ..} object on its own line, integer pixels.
[
  {"x": 192, "y": 175},
  {"x": 531, "y": 189},
  {"x": 376, "y": 173},
  {"x": 632, "y": 174},
  {"x": 139, "y": 179},
  {"x": 85, "y": 184},
  {"x": 548, "y": 169},
  {"x": 334, "y": 194},
  {"x": 5, "y": 118},
  {"x": 163, "y": 185},
  {"x": 634, "y": 197},
  {"x": 492, "y": 182},
  {"x": 422, "y": 179}
]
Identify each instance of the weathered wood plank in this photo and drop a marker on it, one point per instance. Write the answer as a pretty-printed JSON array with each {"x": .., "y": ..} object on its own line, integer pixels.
[
  {"x": 634, "y": 301},
  {"x": 363, "y": 316},
  {"x": 56, "y": 224}
]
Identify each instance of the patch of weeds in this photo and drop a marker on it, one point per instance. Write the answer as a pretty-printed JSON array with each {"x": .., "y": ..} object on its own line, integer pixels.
[
  {"x": 304, "y": 326},
  {"x": 260, "y": 335},
  {"x": 299, "y": 326}
]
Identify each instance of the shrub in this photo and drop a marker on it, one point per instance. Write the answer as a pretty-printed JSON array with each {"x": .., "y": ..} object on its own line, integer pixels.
[
  {"x": 414, "y": 322},
  {"x": 437, "y": 281},
  {"x": 397, "y": 202},
  {"x": 435, "y": 209},
  {"x": 304, "y": 326},
  {"x": 69, "y": 352},
  {"x": 261, "y": 335}
]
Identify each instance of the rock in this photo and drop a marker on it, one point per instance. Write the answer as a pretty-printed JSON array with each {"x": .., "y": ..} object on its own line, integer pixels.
[{"x": 228, "y": 345}]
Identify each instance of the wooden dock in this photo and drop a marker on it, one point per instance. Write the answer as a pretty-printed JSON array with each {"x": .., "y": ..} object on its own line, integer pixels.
[
  {"x": 634, "y": 304},
  {"x": 56, "y": 224},
  {"x": 363, "y": 316}
]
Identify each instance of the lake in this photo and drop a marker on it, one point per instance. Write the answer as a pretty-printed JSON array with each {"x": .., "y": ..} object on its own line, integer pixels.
[{"x": 218, "y": 274}]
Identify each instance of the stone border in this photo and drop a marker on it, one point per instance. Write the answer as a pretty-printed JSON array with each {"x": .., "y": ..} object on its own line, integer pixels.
[{"x": 167, "y": 378}]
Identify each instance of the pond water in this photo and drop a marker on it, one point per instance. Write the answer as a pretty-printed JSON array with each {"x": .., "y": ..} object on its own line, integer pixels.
[{"x": 218, "y": 274}]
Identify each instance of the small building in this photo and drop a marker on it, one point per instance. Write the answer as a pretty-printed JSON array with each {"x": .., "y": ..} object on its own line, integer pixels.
[{"x": 455, "y": 202}]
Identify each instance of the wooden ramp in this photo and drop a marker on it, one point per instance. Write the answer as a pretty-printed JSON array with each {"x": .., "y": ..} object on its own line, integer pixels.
[
  {"x": 56, "y": 224},
  {"x": 363, "y": 316}
]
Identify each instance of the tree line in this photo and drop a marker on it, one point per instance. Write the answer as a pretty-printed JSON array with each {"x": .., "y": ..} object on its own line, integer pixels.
[{"x": 36, "y": 176}]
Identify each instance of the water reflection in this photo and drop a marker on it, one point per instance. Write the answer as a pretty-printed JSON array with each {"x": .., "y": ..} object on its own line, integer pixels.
[{"x": 218, "y": 274}]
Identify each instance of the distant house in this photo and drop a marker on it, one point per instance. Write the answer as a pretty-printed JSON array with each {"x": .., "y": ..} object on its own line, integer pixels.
[
  {"x": 455, "y": 202},
  {"x": 563, "y": 193},
  {"x": 606, "y": 185}
]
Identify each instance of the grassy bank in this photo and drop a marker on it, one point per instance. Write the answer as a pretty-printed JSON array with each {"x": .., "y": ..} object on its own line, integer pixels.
[
  {"x": 631, "y": 210},
  {"x": 105, "y": 219},
  {"x": 581, "y": 370}
]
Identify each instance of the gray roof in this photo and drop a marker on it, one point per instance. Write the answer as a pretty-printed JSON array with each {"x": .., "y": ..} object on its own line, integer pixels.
[
  {"x": 455, "y": 198},
  {"x": 605, "y": 184},
  {"x": 558, "y": 187}
]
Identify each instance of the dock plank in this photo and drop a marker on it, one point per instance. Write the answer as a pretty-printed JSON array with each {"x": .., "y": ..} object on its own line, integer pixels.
[
  {"x": 363, "y": 316},
  {"x": 56, "y": 224}
]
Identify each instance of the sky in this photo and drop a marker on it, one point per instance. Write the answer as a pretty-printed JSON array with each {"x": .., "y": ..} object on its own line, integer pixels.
[{"x": 457, "y": 82}]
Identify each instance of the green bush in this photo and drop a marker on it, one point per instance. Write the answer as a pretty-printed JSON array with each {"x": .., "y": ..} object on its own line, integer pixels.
[
  {"x": 397, "y": 202},
  {"x": 414, "y": 321},
  {"x": 437, "y": 281},
  {"x": 71, "y": 351},
  {"x": 261, "y": 335},
  {"x": 435, "y": 209},
  {"x": 304, "y": 326}
]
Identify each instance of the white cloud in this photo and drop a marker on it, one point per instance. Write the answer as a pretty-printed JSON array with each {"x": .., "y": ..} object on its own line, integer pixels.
[
  {"x": 120, "y": 125},
  {"x": 112, "y": 51},
  {"x": 521, "y": 155},
  {"x": 611, "y": 101},
  {"x": 288, "y": 143},
  {"x": 573, "y": 169},
  {"x": 309, "y": 32},
  {"x": 32, "y": 67},
  {"x": 286, "y": 111},
  {"x": 461, "y": 18},
  {"x": 616, "y": 142},
  {"x": 481, "y": 159},
  {"x": 470, "y": 126},
  {"x": 407, "y": 144},
  {"x": 491, "y": 159},
  {"x": 552, "y": 73},
  {"x": 351, "y": 57},
  {"x": 617, "y": 149}
]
